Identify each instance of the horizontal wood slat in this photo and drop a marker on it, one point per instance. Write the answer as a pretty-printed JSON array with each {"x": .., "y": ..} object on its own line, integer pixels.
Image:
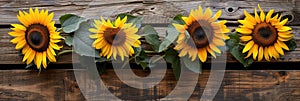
[
  {"x": 256, "y": 85},
  {"x": 110, "y": 8}
]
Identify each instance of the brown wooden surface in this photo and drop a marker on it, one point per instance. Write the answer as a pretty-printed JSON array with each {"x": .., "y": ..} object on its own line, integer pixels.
[
  {"x": 252, "y": 85},
  {"x": 59, "y": 84}
]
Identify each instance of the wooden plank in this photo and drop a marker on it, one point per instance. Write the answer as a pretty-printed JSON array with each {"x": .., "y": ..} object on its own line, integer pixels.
[
  {"x": 255, "y": 85},
  {"x": 110, "y": 8},
  {"x": 8, "y": 54}
]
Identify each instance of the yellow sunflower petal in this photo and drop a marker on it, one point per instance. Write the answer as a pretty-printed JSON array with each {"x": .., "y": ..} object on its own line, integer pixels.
[
  {"x": 212, "y": 53},
  {"x": 250, "y": 52},
  {"x": 202, "y": 54},
  {"x": 45, "y": 60},
  {"x": 283, "y": 22},
  {"x": 284, "y": 29},
  {"x": 55, "y": 46},
  {"x": 186, "y": 20},
  {"x": 182, "y": 53},
  {"x": 285, "y": 34},
  {"x": 19, "y": 27},
  {"x": 256, "y": 16},
  {"x": 246, "y": 24},
  {"x": 248, "y": 46},
  {"x": 283, "y": 45},
  {"x": 215, "y": 48},
  {"x": 114, "y": 53},
  {"x": 207, "y": 14},
  {"x": 194, "y": 53},
  {"x": 117, "y": 22},
  {"x": 50, "y": 56},
  {"x": 274, "y": 52},
  {"x": 179, "y": 28},
  {"x": 260, "y": 53},
  {"x": 25, "y": 49},
  {"x": 262, "y": 14},
  {"x": 38, "y": 59},
  {"x": 124, "y": 20},
  {"x": 217, "y": 15},
  {"x": 268, "y": 17},
  {"x": 137, "y": 44},
  {"x": 255, "y": 51},
  {"x": 278, "y": 49},
  {"x": 20, "y": 44},
  {"x": 30, "y": 57},
  {"x": 244, "y": 31},
  {"x": 266, "y": 54},
  {"x": 27, "y": 54},
  {"x": 250, "y": 17},
  {"x": 194, "y": 14},
  {"x": 17, "y": 39},
  {"x": 218, "y": 42},
  {"x": 246, "y": 38}
]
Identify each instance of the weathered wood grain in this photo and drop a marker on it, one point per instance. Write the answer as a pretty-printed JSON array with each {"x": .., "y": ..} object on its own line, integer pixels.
[
  {"x": 60, "y": 84},
  {"x": 256, "y": 85},
  {"x": 232, "y": 10}
]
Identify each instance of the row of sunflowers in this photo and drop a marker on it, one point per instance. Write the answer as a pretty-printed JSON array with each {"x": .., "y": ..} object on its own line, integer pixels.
[{"x": 262, "y": 36}]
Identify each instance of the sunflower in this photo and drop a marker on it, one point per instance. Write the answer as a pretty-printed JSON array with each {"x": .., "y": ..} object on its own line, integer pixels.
[
  {"x": 205, "y": 34},
  {"x": 264, "y": 35},
  {"x": 115, "y": 38},
  {"x": 36, "y": 37}
]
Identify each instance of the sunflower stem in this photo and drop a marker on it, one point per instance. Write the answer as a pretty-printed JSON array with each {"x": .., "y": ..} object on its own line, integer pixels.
[
  {"x": 150, "y": 52},
  {"x": 127, "y": 61},
  {"x": 159, "y": 58},
  {"x": 64, "y": 52}
]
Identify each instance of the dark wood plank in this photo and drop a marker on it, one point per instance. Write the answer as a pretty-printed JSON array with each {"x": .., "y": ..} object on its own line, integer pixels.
[{"x": 256, "y": 85}]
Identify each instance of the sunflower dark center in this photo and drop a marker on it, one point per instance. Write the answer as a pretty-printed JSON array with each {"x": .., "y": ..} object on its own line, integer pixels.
[
  {"x": 264, "y": 34},
  {"x": 201, "y": 32},
  {"x": 114, "y": 36},
  {"x": 37, "y": 37}
]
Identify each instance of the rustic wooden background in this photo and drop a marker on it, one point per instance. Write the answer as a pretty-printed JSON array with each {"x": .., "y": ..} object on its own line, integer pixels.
[{"x": 264, "y": 81}]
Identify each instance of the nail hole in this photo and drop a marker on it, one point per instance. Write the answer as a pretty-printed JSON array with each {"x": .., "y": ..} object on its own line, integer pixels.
[
  {"x": 152, "y": 8},
  {"x": 230, "y": 9}
]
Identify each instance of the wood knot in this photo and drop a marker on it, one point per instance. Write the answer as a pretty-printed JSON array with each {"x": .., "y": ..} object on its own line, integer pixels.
[{"x": 282, "y": 76}]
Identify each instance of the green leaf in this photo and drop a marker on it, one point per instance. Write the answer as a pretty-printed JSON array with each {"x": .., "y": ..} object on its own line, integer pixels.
[
  {"x": 178, "y": 19},
  {"x": 69, "y": 40},
  {"x": 192, "y": 65},
  {"x": 152, "y": 37},
  {"x": 82, "y": 43},
  {"x": 234, "y": 40},
  {"x": 172, "y": 33},
  {"x": 132, "y": 19},
  {"x": 71, "y": 22},
  {"x": 154, "y": 60},
  {"x": 142, "y": 59},
  {"x": 292, "y": 44},
  {"x": 171, "y": 56},
  {"x": 236, "y": 50}
]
